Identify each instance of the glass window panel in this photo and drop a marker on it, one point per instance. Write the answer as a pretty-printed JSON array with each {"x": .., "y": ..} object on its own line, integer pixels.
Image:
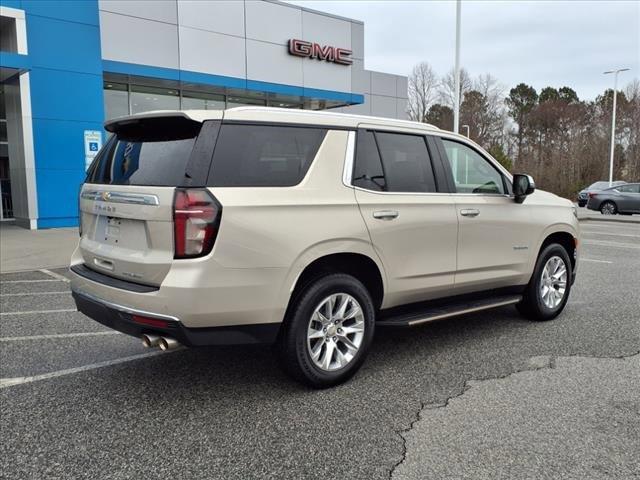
[
  {"x": 202, "y": 101},
  {"x": 263, "y": 156},
  {"x": 472, "y": 173},
  {"x": 116, "y": 100},
  {"x": 368, "y": 171},
  {"x": 145, "y": 99},
  {"x": 406, "y": 162},
  {"x": 241, "y": 101}
]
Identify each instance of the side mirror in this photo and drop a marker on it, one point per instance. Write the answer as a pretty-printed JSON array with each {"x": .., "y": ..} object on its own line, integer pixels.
[{"x": 523, "y": 185}]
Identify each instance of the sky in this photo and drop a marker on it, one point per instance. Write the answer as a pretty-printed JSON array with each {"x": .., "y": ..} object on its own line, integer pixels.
[{"x": 541, "y": 43}]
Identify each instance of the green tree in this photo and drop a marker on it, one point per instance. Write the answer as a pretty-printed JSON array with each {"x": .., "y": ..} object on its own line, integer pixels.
[
  {"x": 441, "y": 116},
  {"x": 568, "y": 95},
  {"x": 497, "y": 152},
  {"x": 520, "y": 102},
  {"x": 548, "y": 94}
]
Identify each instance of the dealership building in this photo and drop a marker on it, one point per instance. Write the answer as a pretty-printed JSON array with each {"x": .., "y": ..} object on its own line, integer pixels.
[{"x": 66, "y": 66}]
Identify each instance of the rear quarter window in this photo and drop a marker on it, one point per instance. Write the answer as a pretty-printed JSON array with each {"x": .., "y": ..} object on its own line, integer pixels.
[{"x": 263, "y": 155}]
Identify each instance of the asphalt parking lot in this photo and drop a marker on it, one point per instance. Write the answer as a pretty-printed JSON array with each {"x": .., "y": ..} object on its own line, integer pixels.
[{"x": 80, "y": 401}]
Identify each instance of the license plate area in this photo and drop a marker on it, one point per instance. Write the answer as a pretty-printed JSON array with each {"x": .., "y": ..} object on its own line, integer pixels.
[{"x": 121, "y": 232}]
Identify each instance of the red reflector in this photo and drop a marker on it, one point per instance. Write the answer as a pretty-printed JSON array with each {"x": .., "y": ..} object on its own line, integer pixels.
[{"x": 152, "y": 322}]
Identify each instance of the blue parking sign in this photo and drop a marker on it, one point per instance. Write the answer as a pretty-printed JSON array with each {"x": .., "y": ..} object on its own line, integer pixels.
[{"x": 93, "y": 146}]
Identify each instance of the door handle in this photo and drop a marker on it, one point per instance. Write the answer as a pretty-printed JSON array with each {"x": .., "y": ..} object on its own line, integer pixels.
[
  {"x": 469, "y": 212},
  {"x": 385, "y": 214}
]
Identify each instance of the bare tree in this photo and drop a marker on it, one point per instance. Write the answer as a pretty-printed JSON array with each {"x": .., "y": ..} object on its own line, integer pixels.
[
  {"x": 423, "y": 82},
  {"x": 447, "y": 87}
]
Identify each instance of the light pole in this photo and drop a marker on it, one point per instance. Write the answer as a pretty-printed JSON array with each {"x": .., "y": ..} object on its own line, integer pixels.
[
  {"x": 613, "y": 118},
  {"x": 466, "y": 127},
  {"x": 456, "y": 101}
]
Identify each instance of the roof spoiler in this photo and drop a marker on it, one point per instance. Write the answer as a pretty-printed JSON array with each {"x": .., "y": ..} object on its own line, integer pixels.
[{"x": 123, "y": 123}]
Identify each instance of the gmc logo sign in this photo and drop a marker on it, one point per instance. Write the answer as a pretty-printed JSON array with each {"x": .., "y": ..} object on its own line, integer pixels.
[{"x": 300, "y": 48}]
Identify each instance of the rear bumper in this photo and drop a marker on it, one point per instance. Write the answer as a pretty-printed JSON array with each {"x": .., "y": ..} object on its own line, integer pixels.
[
  {"x": 121, "y": 318},
  {"x": 593, "y": 204}
]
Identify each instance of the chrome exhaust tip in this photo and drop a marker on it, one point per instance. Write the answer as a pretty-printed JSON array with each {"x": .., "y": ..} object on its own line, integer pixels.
[
  {"x": 149, "y": 340},
  {"x": 168, "y": 343}
]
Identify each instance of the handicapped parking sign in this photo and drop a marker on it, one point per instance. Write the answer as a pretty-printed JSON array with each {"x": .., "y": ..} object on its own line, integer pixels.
[{"x": 92, "y": 145}]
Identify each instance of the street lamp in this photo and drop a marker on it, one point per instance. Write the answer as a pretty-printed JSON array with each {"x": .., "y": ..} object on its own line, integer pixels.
[
  {"x": 613, "y": 118},
  {"x": 468, "y": 129},
  {"x": 456, "y": 98}
]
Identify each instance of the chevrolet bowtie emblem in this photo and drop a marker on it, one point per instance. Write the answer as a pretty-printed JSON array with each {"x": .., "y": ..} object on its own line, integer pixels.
[{"x": 105, "y": 196}]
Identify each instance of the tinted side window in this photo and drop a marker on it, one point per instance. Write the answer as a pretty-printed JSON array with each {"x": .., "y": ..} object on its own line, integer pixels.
[
  {"x": 263, "y": 155},
  {"x": 472, "y": 173},
  {"x": 629, "y": 188},
  {"x": 406, "y": 162},
  {"x": 367, "y": 171}
]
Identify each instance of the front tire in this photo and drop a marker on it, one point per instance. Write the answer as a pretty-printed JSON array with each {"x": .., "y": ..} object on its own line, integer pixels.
[
  {"x": 328, "y": 331},
  {"x": 608, "y": 208},
  {"x": 548, "y": 290}
]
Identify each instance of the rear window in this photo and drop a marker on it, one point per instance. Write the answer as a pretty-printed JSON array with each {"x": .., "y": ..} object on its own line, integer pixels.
[
  {"x": 263, "y": 155},
  {"x": 152, "y": 152}
]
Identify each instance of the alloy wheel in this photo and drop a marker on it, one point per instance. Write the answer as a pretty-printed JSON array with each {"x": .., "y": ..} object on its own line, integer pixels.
[
  {"x": 553, "y": 283},
  {"x": 608, "y": 208},
  {"x": 335, "y": 332}
]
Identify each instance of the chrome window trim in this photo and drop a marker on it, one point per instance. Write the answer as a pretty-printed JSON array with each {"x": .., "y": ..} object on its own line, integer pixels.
[
  {"x": 350, "y": 159},
  {"x": 440, "y": 194},
  {"x": 121, "y": 197},
  {"x": 122, "y": 308}
]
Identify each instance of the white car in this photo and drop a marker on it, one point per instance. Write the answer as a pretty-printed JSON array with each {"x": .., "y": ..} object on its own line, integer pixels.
[{"x": 310, "y": 230}]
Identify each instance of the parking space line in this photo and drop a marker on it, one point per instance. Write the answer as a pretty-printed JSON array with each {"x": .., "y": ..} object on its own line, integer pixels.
[
  {"x": 56, "y": 335},
  {"x": 605, "y": 243},
  {"x": 28, "y": 294},
  {"x": 10, "y": 382},
  {"x": 29, "y": 281},
  {"x": 62, "y": 278},
  {"x": 611, "y": 234},
  {"x": 32, "y": 312},
  {"x": 593, "y": 260}
]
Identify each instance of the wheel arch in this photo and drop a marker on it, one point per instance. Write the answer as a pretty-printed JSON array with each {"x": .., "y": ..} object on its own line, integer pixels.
[
  {"x": 608, "y": 200},
  {"x": 564, "y": 237},
  {"x": 357, "y": 264}
]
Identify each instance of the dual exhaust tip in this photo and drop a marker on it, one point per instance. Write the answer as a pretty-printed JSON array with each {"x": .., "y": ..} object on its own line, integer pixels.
[{"x": 165, "y": 343}]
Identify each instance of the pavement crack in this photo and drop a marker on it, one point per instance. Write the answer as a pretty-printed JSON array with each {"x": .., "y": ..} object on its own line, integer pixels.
[
  {"x": 534, "y": 363},
  {"x": 404, "y": 439}
]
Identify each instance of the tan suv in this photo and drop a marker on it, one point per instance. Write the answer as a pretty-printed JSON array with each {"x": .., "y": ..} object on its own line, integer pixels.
[{"x": 308, "y": 230}]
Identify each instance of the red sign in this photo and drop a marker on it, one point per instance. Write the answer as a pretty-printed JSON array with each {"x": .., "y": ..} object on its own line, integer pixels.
[{"x": 301, "y": 48}]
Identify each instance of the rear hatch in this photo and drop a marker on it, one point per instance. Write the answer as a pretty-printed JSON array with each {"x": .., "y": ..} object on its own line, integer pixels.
[{"x": 127, "y": 201}]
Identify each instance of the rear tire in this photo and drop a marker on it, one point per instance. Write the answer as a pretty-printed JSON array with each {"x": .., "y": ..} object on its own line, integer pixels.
[
  {"x": 322, "y": 344},
  {"x": 548, "y": 290},
  {"x": 608, "y": 208}
]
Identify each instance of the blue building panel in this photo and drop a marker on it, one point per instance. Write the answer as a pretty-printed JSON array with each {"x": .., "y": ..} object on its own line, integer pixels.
[
  {"x": 56, "y": 137},
  {"x": 58, "y": 194},
  {"x": 50, "y": 96},
  {"x": 79, "y": 11},
  {"x": 78, "y": 45},
  {"x": 64, "y": 56}
]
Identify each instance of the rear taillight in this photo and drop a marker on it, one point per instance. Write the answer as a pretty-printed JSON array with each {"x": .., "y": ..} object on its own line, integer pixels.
[{"x": 196, "y": 218}]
